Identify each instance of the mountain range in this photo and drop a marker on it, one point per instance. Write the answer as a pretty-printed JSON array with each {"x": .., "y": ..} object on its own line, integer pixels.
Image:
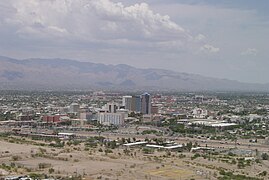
[{"x": 64, "y": 74}]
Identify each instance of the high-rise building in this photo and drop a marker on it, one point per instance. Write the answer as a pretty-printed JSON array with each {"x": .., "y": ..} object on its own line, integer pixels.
[
  {"x": 132, "y": 103},
  {"x": 126, "y": 102},
  {"x": 136, "y": 104},
  {"x": 146, "y": 103}
]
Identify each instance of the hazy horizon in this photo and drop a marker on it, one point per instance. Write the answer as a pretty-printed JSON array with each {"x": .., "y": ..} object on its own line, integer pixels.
[
  {"x": 223, "y": 39},
  {"x": 145, "y": 68}
]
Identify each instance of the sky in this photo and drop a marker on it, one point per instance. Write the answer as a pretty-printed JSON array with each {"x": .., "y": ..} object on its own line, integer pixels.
[{"x": 224, "y": 39}]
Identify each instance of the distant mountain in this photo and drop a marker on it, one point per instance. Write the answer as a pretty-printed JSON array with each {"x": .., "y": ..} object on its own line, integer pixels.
[{"x": 63, "y": 74}]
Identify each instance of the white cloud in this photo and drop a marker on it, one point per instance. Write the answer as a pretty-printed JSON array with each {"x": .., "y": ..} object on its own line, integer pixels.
[
  {"x": 249, "y": 51},
  {"x": 200, "y": 37},
  {"x": 99, "y": 21},
  {"x": 209, "y": 49},
  {"x": 139, "y": 34}
]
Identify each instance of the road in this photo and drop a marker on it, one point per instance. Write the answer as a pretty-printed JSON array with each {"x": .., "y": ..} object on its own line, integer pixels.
[{"x": 242, "y": 144}]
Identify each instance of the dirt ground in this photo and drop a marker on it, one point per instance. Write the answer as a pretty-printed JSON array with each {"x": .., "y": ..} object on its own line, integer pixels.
[{"x": 93, "y": 164}]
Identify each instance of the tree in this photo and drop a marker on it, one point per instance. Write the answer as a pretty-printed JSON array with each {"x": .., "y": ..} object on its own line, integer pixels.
[{"x": 189, "y": 146}]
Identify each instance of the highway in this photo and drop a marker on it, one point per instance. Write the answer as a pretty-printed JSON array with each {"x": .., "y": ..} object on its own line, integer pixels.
[{"x": 241, "y": 144}]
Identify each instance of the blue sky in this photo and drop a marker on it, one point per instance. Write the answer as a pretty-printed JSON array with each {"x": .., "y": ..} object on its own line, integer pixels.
[{"x": 224, "y": 39}]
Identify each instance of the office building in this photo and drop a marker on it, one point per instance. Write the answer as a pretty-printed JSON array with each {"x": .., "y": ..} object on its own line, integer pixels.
[
  {"x": 126, "y": 102},
  {"x": 132, "y": 103},
  {"x": 136, "y": 104},
  {"x": 146, "y": 103}
]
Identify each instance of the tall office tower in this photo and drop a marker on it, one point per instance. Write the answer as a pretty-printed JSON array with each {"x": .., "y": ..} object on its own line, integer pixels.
[
  {"x": 127, "y": 102},
  {"x": 146, "y": 103},
  {"x": 132, "y": 103},
  {"x": 136, "y": 104}
]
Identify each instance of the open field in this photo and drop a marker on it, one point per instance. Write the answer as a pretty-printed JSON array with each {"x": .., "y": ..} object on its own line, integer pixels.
[
  {"x": 90, "y": 164},
  {"x": 21, "y": 156}
]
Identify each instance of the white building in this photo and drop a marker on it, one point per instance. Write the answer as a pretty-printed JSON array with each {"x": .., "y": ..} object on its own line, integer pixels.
[
  {"x": 107, "y": 118},
  {"x": 199, "y": 113},
  {"x": 74, "y": 108},
  {"x": 111, "y": 107}
]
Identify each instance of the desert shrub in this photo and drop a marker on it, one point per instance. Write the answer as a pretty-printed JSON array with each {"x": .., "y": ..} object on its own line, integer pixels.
[
  {"x": 51, "y": 170},
  {"x": 15, "y": 158},
  {"x": 265, "y": 156},
  {"x": 44, "y": 165}
]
